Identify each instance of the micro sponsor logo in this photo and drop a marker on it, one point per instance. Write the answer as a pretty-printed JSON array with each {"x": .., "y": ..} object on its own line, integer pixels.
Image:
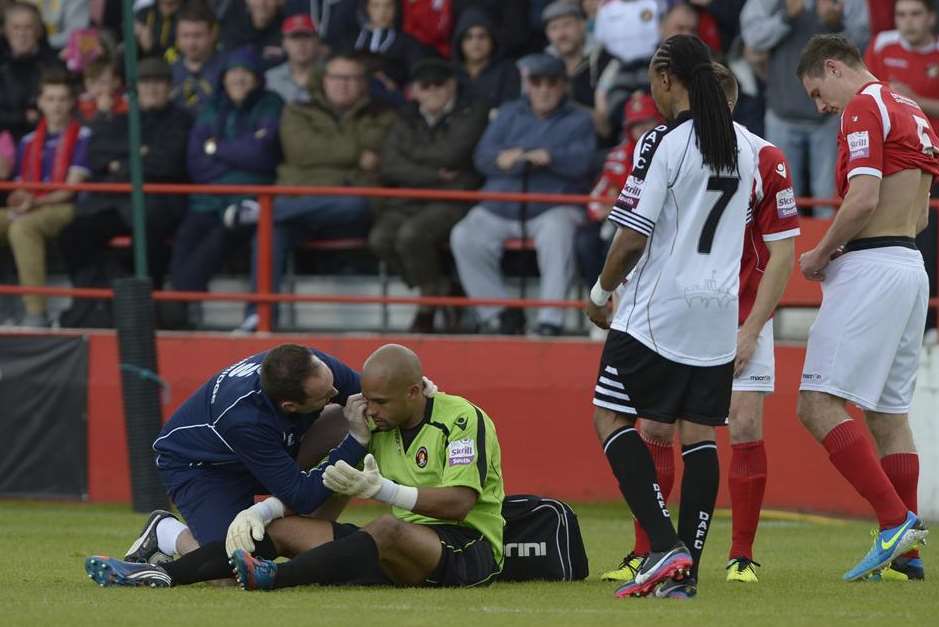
[
  {"x": 461, "y": 452},
  {"x": 526, "y": 549},
  {"x": 760, "y": 377},
  {"x": 859, "y": 145},
  {"x": 786, "y": 203},
  {"x": 811, "y": 376}
]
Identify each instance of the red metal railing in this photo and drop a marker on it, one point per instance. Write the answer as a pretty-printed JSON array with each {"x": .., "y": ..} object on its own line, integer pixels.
[{"x": 265, "y": 194}]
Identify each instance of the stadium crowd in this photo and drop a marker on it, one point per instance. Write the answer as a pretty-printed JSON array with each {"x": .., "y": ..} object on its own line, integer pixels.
[{"x": 528, "y": 95}]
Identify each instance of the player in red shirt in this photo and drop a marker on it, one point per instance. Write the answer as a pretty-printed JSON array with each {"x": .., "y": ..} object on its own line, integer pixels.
[
  {"x": 593, "y": 239},
  {"x": 908, "y": 57},
  {"x": 768, "y": 255},
  {"x": 864, "y": 346}
]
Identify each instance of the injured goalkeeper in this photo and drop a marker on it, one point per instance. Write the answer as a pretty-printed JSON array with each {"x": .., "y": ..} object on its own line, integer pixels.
[{"x": 435, "y": 460}]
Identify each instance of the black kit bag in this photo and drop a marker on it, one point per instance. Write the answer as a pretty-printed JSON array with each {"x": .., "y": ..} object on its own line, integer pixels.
[{"x": 542, "y": 540}]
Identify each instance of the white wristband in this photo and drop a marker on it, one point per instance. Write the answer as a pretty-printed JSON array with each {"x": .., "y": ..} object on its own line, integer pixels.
[
  {"x": 598, "y": 295},
  {"x": 269, "y": 509},
  {"x": 402, "y": 496}
]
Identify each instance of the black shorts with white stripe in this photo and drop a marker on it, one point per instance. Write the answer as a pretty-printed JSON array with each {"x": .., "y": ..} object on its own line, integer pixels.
[{"x": 636, "y": 381}]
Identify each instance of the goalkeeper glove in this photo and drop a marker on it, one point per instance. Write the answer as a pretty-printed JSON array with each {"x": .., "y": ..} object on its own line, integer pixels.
[
  {"x": 368, "y": 484},
  {"x": 249, "y": 525}
]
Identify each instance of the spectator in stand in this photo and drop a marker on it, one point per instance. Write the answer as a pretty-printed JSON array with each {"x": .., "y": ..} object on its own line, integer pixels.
[
  {"x": 104, "y": 90},
  {"x": 908, "y": 59},
  {"x": 430, "y": 22},
  {"x": 719, "y": 21},
  {"x": 198, "y": 64},
  {"x": 337, "y": 21},
  {"x": 255, "y": 23},
  {"x": 233, "y": 142},
  {"x": 545, "y": 143},
  {"x": 56, "y": 152},
  {"x": 430, "y": 146},
  {"x": 101, "y": 217},
  {"x": 61, "y": 17},
  {"x": 483, "y": 75},
  {"x": 381, "y": 37},
  {"x": 22, "y": 58},
  {"x": 565, "y": 26},
  {"x": 291, "y": 79},
  {"x": 334, "y": 140},
  {"x": 593, "y": 238},
  {"x": 155, "y": 27},
  {"x": 780, "y": 30},
  {"x": 628, "y": 32}
]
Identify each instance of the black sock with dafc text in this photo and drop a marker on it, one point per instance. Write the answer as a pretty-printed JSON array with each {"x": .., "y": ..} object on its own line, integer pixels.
[
  {"x": 699, "y": 484},
  {"x": 632, "y": 465},
  {"x": 335, "y": 562}
]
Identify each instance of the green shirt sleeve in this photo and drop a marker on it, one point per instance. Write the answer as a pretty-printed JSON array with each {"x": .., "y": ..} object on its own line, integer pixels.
[{"x": 465, "y": 458}]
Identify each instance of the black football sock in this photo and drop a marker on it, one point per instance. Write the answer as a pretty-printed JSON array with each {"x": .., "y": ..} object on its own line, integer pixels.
[
  {"x": 632, "y": 465},
  {"x": 211, "y": 562},
  {"x": 699, "y": 484},
  {"x": 335, "y": 562}
]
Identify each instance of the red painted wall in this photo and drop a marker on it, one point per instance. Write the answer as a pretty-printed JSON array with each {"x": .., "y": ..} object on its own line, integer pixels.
[{"x": 537, "y": 392}]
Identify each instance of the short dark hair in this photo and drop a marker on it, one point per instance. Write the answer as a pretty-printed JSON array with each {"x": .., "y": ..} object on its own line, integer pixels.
[
  {"x": 284, "y": 371},
  {"x": 196, "y": 11},
  {"x": 824, "y": 47},
  {"x": 727, "y": 81},
  {"x": 353, "y": 56},
  {"x": 56, "y": 76}
]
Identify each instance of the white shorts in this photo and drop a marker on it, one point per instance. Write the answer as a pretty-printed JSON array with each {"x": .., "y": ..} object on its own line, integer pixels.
[
  {"x": 864, "y": 345},
  {"x": 760, "y": 372}
]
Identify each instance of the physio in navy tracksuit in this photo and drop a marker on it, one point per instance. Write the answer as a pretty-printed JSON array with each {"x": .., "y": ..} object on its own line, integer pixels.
[{"x": 239, "y": 434}]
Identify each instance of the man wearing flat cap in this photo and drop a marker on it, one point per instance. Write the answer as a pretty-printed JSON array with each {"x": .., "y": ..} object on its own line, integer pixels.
[
  {"x": 565, "y": 26},
  {"x": 101, "y": 217},
  {"x": 547, "y": 142},
  {"x": 430, "y": 146}
]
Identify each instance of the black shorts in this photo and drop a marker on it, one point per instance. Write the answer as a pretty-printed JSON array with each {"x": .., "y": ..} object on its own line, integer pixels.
[
  {"x": 466, "y": 559},
  {"x": 635, "y": 380}
]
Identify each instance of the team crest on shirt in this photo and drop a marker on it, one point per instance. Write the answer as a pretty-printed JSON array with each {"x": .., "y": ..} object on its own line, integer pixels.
[
  {"x": 932, "y": 71},
  {"x": 781, "y": 169},
  {"x": 461, "y": 452},
  {"x": 786, "y": 203},
  {"x": 859, "y": 145},
  {"x": 646, "y": 15},
  {"x": 421, "y": 458},
  {"x": 460, "y": 422}
]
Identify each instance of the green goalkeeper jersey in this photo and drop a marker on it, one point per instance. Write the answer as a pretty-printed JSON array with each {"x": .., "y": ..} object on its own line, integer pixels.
[{"x": 456, "y": 445}]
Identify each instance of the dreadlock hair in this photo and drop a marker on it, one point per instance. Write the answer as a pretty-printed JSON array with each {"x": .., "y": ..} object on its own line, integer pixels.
[{"x": 687, "y": 59}]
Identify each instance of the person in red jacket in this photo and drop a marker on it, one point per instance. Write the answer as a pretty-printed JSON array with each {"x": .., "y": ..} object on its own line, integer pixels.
[{"x": 593, "y": 239}]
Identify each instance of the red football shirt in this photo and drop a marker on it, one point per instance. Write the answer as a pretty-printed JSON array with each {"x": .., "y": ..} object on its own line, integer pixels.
[
  {"x": 616, "y": 169},
  {"x": 775, "y": 217},
  {"x": 881, "y": 134},
  {"x": 891, "y": 58}
]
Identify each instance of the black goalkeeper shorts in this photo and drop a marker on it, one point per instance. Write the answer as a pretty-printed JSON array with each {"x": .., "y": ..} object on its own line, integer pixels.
[{"x": 466, "y": 559}]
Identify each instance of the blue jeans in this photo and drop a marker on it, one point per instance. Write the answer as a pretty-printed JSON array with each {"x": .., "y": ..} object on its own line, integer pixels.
[
  {"x": 812, "y": 144},
  {"x": 297, "y": 218}
]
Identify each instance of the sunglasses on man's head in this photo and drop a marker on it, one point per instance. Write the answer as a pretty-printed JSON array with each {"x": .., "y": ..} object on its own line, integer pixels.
[
  {"x": 547, "y": 81},
  {"x": 432, "y": 83}
]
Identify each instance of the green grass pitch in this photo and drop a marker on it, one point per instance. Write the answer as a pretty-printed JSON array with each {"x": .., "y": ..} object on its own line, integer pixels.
[{"x": 42, "y": 582}]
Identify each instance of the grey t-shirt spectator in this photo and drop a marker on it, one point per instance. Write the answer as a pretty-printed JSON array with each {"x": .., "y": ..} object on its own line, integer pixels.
[{"x": 767, "y": 27}]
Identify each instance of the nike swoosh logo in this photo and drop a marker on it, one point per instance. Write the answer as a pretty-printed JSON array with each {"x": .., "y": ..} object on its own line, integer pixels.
[{"x": 886, "y": 546}]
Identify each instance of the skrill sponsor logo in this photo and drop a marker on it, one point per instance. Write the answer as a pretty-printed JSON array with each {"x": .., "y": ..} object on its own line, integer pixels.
[
  {"x": 859, "y": 145},
  {"x": 461, "y": 452}
]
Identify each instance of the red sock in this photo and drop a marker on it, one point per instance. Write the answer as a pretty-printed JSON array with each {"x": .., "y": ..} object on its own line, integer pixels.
[
  {"x": 852, "y": 454},
  {"x": 664, "y": 460},
  {"x": 747, "y": 483},
  {"x": 903, "y": 471}
]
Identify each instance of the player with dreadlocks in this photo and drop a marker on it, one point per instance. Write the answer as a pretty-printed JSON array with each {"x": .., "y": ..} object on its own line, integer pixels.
[{"x": 669, "y": 356}]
